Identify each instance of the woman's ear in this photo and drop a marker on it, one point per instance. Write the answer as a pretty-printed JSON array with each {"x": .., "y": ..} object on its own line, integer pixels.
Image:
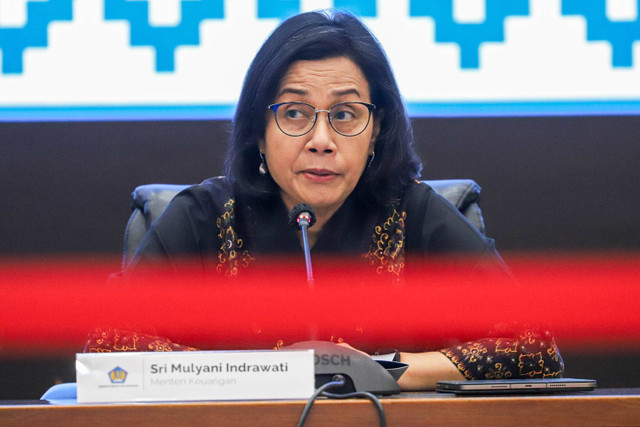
[
  {"x": 376, "y": 131},
  {"x": 261, "y": 145}
]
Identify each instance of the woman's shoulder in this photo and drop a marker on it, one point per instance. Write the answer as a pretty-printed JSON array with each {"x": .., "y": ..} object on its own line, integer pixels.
[
  {"x": 211, "y": 194},
  {"x": 434, "y": 222},
  {"x": 191, "y": 222},
  {"x": 200, "y": 202},
  {"x": 217, "y": 188},
  {"x": 422, "y": 199},
  {"x": 423, "y": 204},
  {"x": 415, "y": 195}
]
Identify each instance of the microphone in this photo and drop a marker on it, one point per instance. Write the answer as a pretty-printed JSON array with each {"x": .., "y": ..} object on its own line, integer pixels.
[{"x": 302, "y": 216}]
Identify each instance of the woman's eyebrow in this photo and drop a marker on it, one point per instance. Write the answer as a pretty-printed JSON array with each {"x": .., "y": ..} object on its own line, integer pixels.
[
  {"x": 346, "y": 92},
  {"x": 336, "y": 93},
  {"x": 300, "y": 92}
]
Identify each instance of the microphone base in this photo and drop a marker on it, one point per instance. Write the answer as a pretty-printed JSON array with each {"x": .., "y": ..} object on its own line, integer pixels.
[{"x": 361, "y": 372}]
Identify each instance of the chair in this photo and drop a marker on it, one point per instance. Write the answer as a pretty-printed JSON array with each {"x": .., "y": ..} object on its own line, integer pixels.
[
  {"x": 464, "y": 194},
  {"x": 147, "y": 204},
  {"x": 149, "y": 201}
]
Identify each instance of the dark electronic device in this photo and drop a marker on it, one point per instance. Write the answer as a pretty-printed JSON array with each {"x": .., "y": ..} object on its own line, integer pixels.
[
  {"x": 543, "y": 385},
  {"x": 360, "y": 371}
]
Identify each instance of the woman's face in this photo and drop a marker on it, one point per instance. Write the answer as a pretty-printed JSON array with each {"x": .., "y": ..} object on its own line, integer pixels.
[{"x": 322, "y": 167}]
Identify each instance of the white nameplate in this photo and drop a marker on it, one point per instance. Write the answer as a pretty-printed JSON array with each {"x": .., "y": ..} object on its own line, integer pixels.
[{"x": 194, "y": 375}]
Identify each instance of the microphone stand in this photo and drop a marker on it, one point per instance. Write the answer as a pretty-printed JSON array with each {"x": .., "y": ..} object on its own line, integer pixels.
[
  {"x": 304, "y": 220},
  {"x": 304, "y": 225},
  {"x": 302, "y": 216}
]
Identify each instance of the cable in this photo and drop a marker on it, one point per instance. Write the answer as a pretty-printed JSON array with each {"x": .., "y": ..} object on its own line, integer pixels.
[
  {"x": 365, "y": 394},
  {"x": 338, "y": 381}
]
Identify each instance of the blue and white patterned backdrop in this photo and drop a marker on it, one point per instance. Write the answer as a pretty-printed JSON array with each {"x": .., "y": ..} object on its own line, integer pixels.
[{"x": 173, "y": 59}]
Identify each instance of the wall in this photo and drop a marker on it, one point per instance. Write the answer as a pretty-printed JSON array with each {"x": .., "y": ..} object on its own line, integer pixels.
[{"x": 548, "y": 182}]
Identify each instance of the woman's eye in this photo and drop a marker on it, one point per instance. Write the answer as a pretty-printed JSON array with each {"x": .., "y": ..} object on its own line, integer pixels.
[
  {"x": 294, "y": 114},
  {"x": 343, "y": 115}
]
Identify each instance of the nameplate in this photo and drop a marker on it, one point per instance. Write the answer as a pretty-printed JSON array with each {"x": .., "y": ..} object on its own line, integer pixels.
[{"x": 195, "y": 375}]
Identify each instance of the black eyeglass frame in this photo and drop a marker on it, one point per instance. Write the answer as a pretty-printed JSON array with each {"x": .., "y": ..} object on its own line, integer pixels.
[{"x": 274, "y": 108}]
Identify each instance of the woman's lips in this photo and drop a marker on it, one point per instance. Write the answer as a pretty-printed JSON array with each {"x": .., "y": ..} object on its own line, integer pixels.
[{"x": 319, "y": 175}]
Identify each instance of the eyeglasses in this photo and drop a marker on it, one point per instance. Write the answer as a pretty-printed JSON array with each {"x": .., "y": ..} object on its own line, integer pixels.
[{"x": 346, "y": 118}]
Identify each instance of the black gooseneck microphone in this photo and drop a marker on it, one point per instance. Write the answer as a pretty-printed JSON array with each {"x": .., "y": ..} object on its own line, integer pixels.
[
  {"x": 371, "y": 376},
  {"x": 303, "y": 216}
]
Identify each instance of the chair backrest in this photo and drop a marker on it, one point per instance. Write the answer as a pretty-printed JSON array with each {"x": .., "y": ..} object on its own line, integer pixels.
[
  {"x": 149, "y": 201},
  {"x": 464, "y": 194}
]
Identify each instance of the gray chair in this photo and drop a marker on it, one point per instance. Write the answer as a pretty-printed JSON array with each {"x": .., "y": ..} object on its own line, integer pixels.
[
  {"x": 149, "y": 201},
  {"x": 147, "y": 204}
]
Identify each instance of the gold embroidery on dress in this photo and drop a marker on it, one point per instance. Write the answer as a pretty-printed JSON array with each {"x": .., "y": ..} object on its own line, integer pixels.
[
  {"x": 455, "y": 359},
  {"x": 231, "y": 254},
  {"x": 498, "y": 372},
  {"x": 474, "y": 352},
  {"x": 504, "y": 358},
  {"x": 120, "y": 345},
  {"x": 505, "y": 345},
  {"x": 387, "y": 249},
  {"x": 531, "y": 364}
]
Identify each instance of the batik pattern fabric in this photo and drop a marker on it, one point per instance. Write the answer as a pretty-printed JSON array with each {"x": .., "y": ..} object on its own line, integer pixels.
[
  {"x": 386, "y": 253},
  {"x": 231, "y": 255},
  {"x": 226, "y": 229},
  {"x": 519, "y": 353},
  {"x": 112, "y": 340}
]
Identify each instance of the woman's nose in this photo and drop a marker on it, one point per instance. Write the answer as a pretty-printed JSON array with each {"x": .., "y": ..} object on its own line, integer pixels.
[{"x": 321, "y": 136}]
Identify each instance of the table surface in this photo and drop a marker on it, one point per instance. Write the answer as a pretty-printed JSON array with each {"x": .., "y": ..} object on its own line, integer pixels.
[{"x": 610, "y": 407}]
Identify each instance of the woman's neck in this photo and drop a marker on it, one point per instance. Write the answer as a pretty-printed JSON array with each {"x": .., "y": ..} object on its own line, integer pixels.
[{"x": 322, "y": 216}]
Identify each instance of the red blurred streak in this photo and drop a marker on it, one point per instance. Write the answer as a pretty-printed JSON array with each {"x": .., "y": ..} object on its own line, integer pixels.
[{"x": 590, "y": 301}]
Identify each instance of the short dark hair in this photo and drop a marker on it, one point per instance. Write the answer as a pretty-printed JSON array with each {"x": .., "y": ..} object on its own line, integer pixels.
[{"x": 314, "y": 36}]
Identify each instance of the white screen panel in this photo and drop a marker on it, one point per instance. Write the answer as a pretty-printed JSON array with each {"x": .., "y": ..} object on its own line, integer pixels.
[{"x": 173, "y": 59}]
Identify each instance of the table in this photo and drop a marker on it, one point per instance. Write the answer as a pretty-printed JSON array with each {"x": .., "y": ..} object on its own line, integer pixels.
[{"x": 611, "y": 407}]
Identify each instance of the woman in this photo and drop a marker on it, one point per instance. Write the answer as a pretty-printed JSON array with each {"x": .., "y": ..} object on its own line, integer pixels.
[{"x": 320, "y": 121}]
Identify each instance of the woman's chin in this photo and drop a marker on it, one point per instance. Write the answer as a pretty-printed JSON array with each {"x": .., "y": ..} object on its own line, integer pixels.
[
  {"x": 326, "y": 208},
  {"x": 323, "y": 200}
]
